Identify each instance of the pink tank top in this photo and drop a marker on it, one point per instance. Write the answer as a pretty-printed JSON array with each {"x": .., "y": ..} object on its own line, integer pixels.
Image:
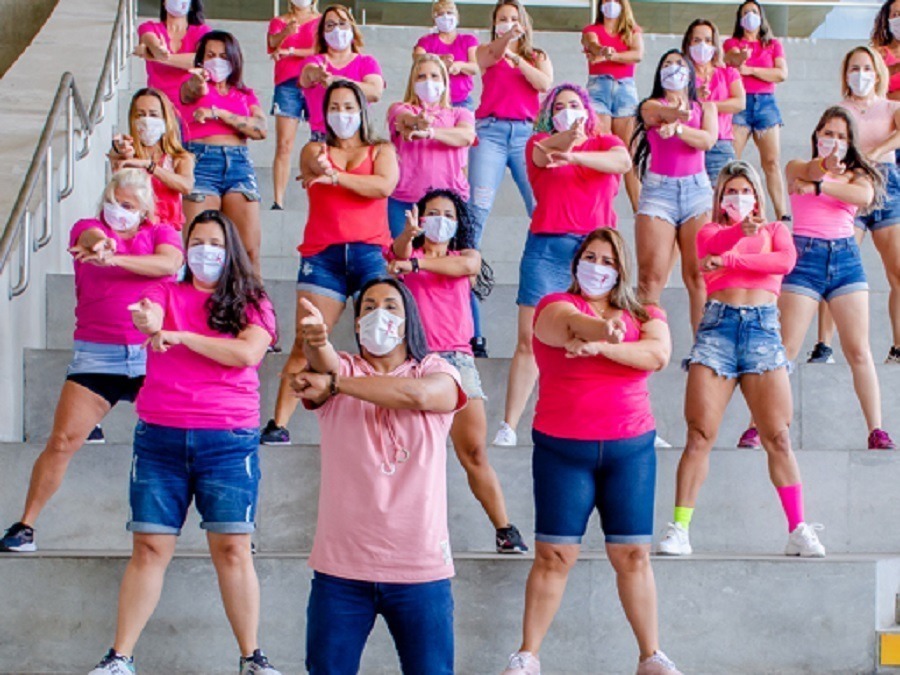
[
  {"x": 168, "y": 201},
  {"x": 673, "y": 157},
  {"x": 822, "y": 216},
  {"x": 891, "y": 60},
  {"x": 506, "y": 94}
]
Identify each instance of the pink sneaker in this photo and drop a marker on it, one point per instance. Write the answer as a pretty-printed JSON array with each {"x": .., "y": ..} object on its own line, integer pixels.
[
  {"x": 750, "y": 439},
  {"x": 523, "y": 663},
  {"x": 658, "y": 664},
  {"x": 880, "y": 440}
]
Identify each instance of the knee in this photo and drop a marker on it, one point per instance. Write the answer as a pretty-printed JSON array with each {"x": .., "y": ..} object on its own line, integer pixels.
[
  {"x": 651, "y": 282},
  {"x": 284, "y": 147},
  {"x": 777, "y": 442},
  {"x": 149, "y": 554},
  {"x": 631, "y": 560},
  {"x": 553, "y": 560},
  {"x": 857, "y": 355},
  {"x": 693, "y": 278},
  {"x": 231, "y": 553},
  {"x": 62, "y": 444},
  {"x": 473, "y": 456},
  {"x": 700, "y": 437},
  {"x": 770, "y": 164}
]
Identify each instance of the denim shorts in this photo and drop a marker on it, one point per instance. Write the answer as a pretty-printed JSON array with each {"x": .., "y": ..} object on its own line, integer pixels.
[
  {"x": 317, "y": 136},
  {"x": 761, "y": 113},
  {"x": 546, "y": 266},
  {"x": 468, "y": 373},
  {"x": 468, "y": 103},
  {"x": 221, "y": 169},
  {"x": 97, "y": 358},
  {"x": 341, "y": 270},
  {"x": 616, "y": 98},
  {"x": 716, "y": 159},
  {"x": 289, "y": 101},
  {"x": 889, "y": 213},
  {"x": 733, "y": 341},
  {"x": 675, "y": 200},
  {"x": 217, "y": 468},
  {"x": 572, "y": 478},
  {"x": 826, "y": 268}
]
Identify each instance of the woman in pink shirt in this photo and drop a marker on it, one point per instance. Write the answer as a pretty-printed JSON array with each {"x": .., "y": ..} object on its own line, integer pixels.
[
  {"x": 384, "y": 416},
  {"x": 759, "y": 57},
  {"x": 197, "y": 436},
  {"x": 744, "y": 258},
  {"x": 886, "y": 39},
  {"x": 574, "y": 171},
  {"x": 154, "y": 145},
  {"x": 456, "y": 50},
  {"x": 222, "y": 113},
  {"x": 117, "y": 254},
  {"x": 595, "y": 344},
  {"x": 514, "y": 74},
  {"x": 291, "y": 38},
  {"x": 168, "y": 45}
]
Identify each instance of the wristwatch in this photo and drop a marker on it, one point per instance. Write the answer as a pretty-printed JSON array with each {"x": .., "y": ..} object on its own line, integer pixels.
[
  {"x": 678, "y": 129},
  {"x": 415, "y": 264}
]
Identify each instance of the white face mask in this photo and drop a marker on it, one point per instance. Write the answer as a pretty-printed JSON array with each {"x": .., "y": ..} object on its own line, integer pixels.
[
  {"x": 207, "y": 262},
  {"x": 611, "y": 10},
  {"x": 344, "y": 125},
  {"x": 119, "y": 218},
  {"x": 738, "y": 207},
  {"x": 429, "y": 91},
  {"x": 379, "y": 332},
  {"x": 826, "y": 146},
  {"x": 339, "y": 39},
  {"x": 674, "y": 77},
  {"x": 596, "y": 279},
  {"x": 178, "y": 7},
  {"x": 150, "y": 129},
  {"x": 565, "y": 119},
  {"x": 751, "y": 21},
  {"x": 504, "y": 27},
  {"x": 894, "y": 25},
  {"x": 446, "y": 23},
  {"x": 218, "y": 69},
  {"x": 439, "y": 229},
  {"x": 702, "y": 52},
  {"x": 302, "y": 4},
  {"x": 861, "y": 82}
]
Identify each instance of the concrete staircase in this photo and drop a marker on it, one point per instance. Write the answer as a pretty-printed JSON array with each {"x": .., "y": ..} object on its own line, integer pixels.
[{"x": 737, "y": 606}]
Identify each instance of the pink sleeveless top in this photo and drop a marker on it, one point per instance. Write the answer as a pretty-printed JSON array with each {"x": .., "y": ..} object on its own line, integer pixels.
[
  {"x": 822, "y": 216},
  {"x": 673, "y": 157}
]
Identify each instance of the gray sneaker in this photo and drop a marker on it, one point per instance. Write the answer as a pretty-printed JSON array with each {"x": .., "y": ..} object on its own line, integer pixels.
[
  {"x": 658, "y": 664},
  {"x": 114, "y": 664},
  {"x": 257, "y": 664}
]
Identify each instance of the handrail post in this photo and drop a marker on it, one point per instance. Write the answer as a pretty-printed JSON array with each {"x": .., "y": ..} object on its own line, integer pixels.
[
  {"x": 70, "y": 147},
  {"x": 47, "y": 234},
  {"x": 24, "y": 259}
]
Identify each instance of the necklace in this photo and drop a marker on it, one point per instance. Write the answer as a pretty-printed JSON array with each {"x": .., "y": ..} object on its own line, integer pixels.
[{"x": 861, "y": 105}]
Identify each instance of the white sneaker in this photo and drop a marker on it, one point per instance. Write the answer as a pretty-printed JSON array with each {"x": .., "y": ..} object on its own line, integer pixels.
[
  {"x": 114, "y": 664},
  {"x": 804, "y": 541},
  {"x": 658, "y": 664},
  {"x": 660, "y": 442},
  {"x": 506, "y": 436},
  {"x": 523, "y": 663},
  {"x": 675, "y": 541}
]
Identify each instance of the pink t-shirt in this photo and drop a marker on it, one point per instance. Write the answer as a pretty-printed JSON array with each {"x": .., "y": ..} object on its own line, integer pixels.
[
  {"x": 460, "y": 85},
  {"x": 618, "y": 71},
  {"x": 591, "y": 398},
  {"x": 427, "y": 163},
  {"x": 506, "y": 94},
  {"x": 237, "y": 101},
  {"x": 104, "y": 293},
  {"x": 673, "y": 157},
  {"x": 361, "y": 66},
  {"x": 168, "y": 201},
  {"x": 873, "y": 127},
  {"x": 289, "y": 67},
  {"x": 822, "y": 216},
  {"x": 760, "y": 57},
  {"x": 573, "y": 199},
  {"x": 720, "y": 90},
  {"x": 753, "y": 262},
  {"x": 891, "y": 60},
  {"x": 186, "y": 390},
  {"x": 166, "y": 78},
  {"x": 373, "y": 526},
  {"x": 445, "y": 306}
]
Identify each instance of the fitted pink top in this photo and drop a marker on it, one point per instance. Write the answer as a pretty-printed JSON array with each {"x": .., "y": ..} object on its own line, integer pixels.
[
  {"x": 237, "y": 101},
  {"x": 673, "y": 157},
  {"x": 160, "y": 75},
  {"x": 822, "y": 216},
  {"x": 760, "y": 57},
  {"x": 507, "y": 95},
  {"x": 289, "y": 67},
  {"x": 618, "y": 71},
  {"x": 719, "y": 86}
]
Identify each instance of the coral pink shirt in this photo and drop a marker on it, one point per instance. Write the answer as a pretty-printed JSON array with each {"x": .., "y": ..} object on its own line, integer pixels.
[
  {"x": 873, "y": 127},
  {"x": 373, "y": 526},
  {"x": 673, "y": 157},
  {"x": 104, "y": 293},
  {"x": 573, "y": 199},
  {"x": 618, "y": 71},
  {"x": 237, "y": 101},
  {"x": 507, "y": 95},
  {"x": 360, "y": 67},
  {"x": 719, "y": 86},
  {"x": 591, "y": 398},
  {"x": 186, "y": 390},
  {"x": 752, "y": 262},
  {"x": 822, "y": 216},
  {"x": 168, "y": 201},
  {"x": 460, "y": 85},
  {"x": 760, "y": 57},
  {"x": 289, "y": 67},
  {"x": 427, "y": 163},
  {"x": 166, "y": 78}
]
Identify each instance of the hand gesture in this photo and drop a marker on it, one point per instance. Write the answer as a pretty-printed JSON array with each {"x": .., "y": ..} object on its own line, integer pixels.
[
  {"x": 141, "y": 315},
  {"x": 411, "y": 227},
  {"x": 99, "y": 253},
  {"x": 203, "y": 115},
  {"x": 616, "y": 330},
  {"x": 577, "y": 348},
  {"x": 711, "y": 263},
  {"x": 290, "y": 26},
  {"x": 752, "y": 223},
  {"x": 319, "y": 74},
  {"x": 703, "y": 91},
  {"x": 323, "y": 165},
  {"x": 802, "y": 187},
  {"x": 399, "y": 267},
  {"x": 557, "y": 159},
  {"x": 606, "y": 53},
  {"x": 124, "y": 145},
  {"x": 745, "y": 70},
  {"x": 312, "y": 326},
  {"x": 161, "y": 341},
  {"x": 744, "y": 54},
  {"x": 514, "y": 33},
  {"x": 667, "y": 130},
  {"x": 833, "y": 163},
  {"x": 199, "y": 78},
  {"x": 454, "y": 68},
  {"x": 310, "y": 386},
  {"x": 448, "y": 59},
  {"x": 135, "y": 164}
]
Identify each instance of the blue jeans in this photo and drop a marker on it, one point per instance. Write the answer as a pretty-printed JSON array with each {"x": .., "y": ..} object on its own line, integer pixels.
[
  {"x": 501, "y": 144},
  {"x": 397, "y": 215},
  {"x": 716, "y": 159},
  {"x": 546, "y": 266},
  {"x": 342, "y": 612},
  {"x": 675, "y": 200},
  {"x": 826, "y": 268},
  {"x": 104, "y": 359},
  {"x": 612, "y": 97},
  {"x": 289, "y": 101},
  {"x": 341, "y": 270},
  {"x": 221, "y": 169},
  {"x": 889, "y": 213}
]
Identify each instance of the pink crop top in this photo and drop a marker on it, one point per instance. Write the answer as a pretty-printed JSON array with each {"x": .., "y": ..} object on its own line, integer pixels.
[
  {"x": 673, "y": 157},
  {"x": 822, "y": 216}
]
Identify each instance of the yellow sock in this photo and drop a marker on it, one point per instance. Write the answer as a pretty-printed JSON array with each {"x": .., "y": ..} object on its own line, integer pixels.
[{"x": 683, "y": 516}]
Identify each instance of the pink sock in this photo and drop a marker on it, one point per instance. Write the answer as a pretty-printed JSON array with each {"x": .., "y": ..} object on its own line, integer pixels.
[{"x": 792, "y": 502}]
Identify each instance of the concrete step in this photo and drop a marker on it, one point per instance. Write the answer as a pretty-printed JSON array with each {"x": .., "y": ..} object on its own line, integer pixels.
[{"x": 717, "y": 615}]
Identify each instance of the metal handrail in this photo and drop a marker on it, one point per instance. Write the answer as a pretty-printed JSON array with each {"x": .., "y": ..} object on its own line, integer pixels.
[{"x": 19, "y": 226}]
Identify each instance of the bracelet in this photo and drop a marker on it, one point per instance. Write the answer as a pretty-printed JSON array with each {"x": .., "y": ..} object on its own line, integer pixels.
[
  {"x": 821, "y": 164},
  {"x": 818, "y": 185},
  {"x": 151, "y": 167},
  {"x": 415, "y": 264},
  {"x": 431, "y": 132},
  {"x": 516, "y": 61},
  {"x": 334, "y": 178},
  {"x": 212, "y": 110},
  {"x": 333, "y": 384}
]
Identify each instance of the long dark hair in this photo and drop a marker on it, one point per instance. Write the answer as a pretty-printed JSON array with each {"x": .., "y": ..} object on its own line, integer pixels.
[
  {"x": 232, "y": 53},
  {"x": 639, "y": 143},
  {"x": 881, "y": 31},
  {"x": 416, "y": 342},
  {"x": 463, "y": 239},
  {"x": 765, "y": 30},
  {"x": 239, "y": 288},
  {"x": 195, "y": 16},
  {"x": 366, "y": 135}
]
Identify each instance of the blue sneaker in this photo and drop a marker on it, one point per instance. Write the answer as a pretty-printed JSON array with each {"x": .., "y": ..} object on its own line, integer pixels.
[
  {"x": 96, "y": 435},
  {"x": 272, "y": 434},
  {"x": 114, "y": 664},
  {"x": 257, "y": 664},
  {"x": 18, "y": 539}
]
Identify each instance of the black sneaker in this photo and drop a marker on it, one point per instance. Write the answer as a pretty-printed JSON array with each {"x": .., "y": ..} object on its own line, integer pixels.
[
  {"x": 479, "y": 347},
  {"x": 257, "y": 664},
  {"x": 272, "y": 434},
  {"x": 96, "y": 435},
  {"x": 509, "y": 540},
  {"x": 821, "y": 353},
  {"x": 18, "y": 539},
  {"x": 276, "y": 207},
  {"x": 893, "y": 356}
]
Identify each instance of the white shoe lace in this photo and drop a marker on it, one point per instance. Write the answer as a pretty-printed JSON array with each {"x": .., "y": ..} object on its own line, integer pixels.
[
  {"x": 663, "y": 660},
  {"x": 808, "y": 533},
  {"x": 518, "y": 661},
  {"x": 673, "y": 533}
]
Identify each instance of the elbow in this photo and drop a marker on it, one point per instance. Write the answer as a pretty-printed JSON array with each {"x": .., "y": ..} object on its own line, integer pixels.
[
  {"x": 174, "y": 266},
  {"x": 544, "y": 85},
  {"x": 659, "y": 359},
  {"x": 374, "y": 96},
  {"x": 625, "y": 164}
]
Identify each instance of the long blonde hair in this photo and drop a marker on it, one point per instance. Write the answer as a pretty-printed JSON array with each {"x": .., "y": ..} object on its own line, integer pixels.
[
  {"x": 410, "y": 96},
  {"x": 737, "y": 169},
  {"x": 625, "y": 24},
  {"x": 881, "y": 72},
  {"x": 170, "y": 142},
  {"x": 523, "y": 46}
]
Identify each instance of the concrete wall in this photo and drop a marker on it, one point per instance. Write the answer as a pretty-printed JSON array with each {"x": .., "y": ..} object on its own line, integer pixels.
[{"x": 19, "y": 23}]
